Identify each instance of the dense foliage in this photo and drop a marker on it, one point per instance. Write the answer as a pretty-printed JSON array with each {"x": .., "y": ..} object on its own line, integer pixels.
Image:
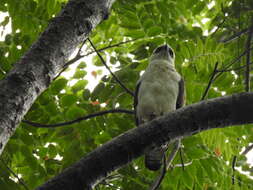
[{"x": 197, "y": 30}]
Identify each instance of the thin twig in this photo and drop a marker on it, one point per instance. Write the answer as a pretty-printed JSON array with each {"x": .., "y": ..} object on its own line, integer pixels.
[
  {"x": 235, "y": 36},
  {"x": 110, "y": 46},
  {"x": 108, "y": 68},
  {"x": 220, "y": 24},
  {"x": 15, "y": 175},
  {"x": 247, "y": 149},
  {"x": 76, "y": 58},
  {"x": 181, "y": 157},
  {"x": 34, "y": 124},
  {"x": 173, "y": 153},
  {"x": 235, "y": 69},
  {"x": 247, "y": 71},
  {"x": 233, "y": 168},
  {"x": 232, "y": 62},
  {"x": 166, "y": 165},
  {"x": 159, "y": 179},
  {"x": 210, "y": 81},
  {"x": 79, "y": 56}
]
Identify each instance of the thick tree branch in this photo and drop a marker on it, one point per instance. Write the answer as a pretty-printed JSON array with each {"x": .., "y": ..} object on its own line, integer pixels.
[
  {"x": 40, "y": 125},
  {"x": 214, "y": 113},
  {"x": 38, "y": 67}
]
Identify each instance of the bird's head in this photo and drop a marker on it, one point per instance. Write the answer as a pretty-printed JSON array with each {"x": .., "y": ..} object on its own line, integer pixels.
[{"x": 164, "y": 52}]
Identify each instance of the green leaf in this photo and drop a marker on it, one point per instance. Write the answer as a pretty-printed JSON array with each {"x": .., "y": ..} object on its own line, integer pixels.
[
  {"x": 80, "y": 85},
  {"x": 82, "y": 65},
  {"x": 74, "y": 112},
  {"x": 86, "y": 94},
  {"x": 68, "y": 99},
  {"x": 51, "y": 6},
  {"x": 79, "y": 74},
  {"x": 102, "y": 138},
  {"x": 155, "y": 30},
  {"x": 58, "y": 85},
  {"x": 135, "y": 33}
]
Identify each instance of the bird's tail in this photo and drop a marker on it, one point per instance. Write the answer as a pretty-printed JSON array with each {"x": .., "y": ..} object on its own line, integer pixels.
[{"x": 154, "y": 158}]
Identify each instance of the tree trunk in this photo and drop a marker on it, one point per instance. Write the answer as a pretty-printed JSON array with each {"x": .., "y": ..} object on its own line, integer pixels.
[
  {"x": 35, "y": 71},
  {"x": 214, "y": 113}
]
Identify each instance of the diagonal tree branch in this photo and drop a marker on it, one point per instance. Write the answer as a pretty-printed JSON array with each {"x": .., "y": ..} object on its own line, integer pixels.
[
  {"x": 213, "y": 113},
  {"x": 108, "y": 68},
  {"x": 34, "y": 124},
  {"x": 45, "y": 59}
]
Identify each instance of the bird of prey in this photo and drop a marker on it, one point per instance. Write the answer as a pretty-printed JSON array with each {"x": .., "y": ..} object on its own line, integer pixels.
[{"x": 159, "y": 90}]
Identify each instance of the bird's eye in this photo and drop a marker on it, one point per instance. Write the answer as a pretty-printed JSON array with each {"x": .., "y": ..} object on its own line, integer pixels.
[{"x": 171, "y": 52}]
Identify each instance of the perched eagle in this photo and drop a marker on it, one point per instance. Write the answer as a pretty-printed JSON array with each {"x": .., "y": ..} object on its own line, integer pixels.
[{"x": 159, "y": 90}]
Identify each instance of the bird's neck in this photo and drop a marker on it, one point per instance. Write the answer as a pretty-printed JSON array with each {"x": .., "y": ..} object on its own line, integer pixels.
[{"x": 163, "y": 64}]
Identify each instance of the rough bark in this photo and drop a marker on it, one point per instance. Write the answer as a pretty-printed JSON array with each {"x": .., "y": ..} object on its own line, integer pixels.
[
  {"x": 33, "y": 73},
  {"x": 215, "y": 113}
]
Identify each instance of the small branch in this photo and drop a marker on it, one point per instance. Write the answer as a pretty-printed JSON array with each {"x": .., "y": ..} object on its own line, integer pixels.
[
  {"x": 76, "y": 58},
  {"x": 110, "y": 46},
  {"x": 159, "y": 179},
  {"x": 247, "y": 149},
  {"x": 218, "y": 27},
  {"x": 166, "y": 165},
  {"x": 173, "y": 153},
  {"x": 78, "y": 119},
  {"x": 181, "y": 157},
  {"x": 233, "y": 62},
  {"x": 210, "y": 81},
  {"x": 247, "y": 71},
  {"x": 15, "y": 175},
  {"x": 235, "y": 69},
  {"x": 233, "y": 168},
  {"x": 235, "y": 36},
  {"x": 107, "y": 67},
  {"x": 79, "y": 56}
]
